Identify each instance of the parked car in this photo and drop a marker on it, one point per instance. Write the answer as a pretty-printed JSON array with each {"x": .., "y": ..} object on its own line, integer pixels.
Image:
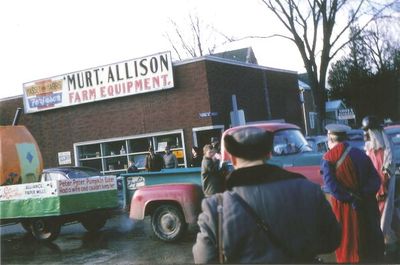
[
  {"x": 355, "y": 138},
  {"x": 318, "y": 143},
  {"x": 69, "y": 172},
  {"x": 290, "y": 150}
]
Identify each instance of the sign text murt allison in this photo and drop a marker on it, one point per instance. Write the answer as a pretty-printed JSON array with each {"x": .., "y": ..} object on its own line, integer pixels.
[
  {"x": 141, "y": 75},
  {"x": 124, "y": 78}
]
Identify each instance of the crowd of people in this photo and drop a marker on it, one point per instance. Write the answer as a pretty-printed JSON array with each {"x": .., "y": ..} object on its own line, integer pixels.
[{"x": 260, "y": 213}]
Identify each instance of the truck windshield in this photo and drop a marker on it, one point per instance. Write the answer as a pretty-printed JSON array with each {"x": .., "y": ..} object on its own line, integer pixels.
[{"x": 288, "y": 142}]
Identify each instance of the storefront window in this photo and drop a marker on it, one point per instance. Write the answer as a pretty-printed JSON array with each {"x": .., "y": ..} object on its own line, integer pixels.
[{"x": 111, "y": 157}]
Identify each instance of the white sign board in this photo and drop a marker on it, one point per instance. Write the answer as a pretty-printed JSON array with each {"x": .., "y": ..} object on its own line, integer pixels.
[
  {"x": 91, "y": 184},
  {"x": 64, "y": 158},
  {"x": 30, "y": 190},
  {"x": 140, "y": 75},
  {"x": 345, "y": 114}
]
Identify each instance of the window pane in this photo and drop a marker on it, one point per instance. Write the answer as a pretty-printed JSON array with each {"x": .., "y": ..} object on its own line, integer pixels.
[
  {"x": 139, "y": 145},
  {"x": 173, "y": 140},
  {"x": 88, "y": 151},
  {"x": 139, "y": 160},
  {"x": 116, "y": 163},
  {"x": 114, "y": 148}
]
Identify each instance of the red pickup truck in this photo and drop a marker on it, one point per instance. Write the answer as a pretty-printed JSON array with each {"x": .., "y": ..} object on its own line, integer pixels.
[{"x": 172, "y": 197}]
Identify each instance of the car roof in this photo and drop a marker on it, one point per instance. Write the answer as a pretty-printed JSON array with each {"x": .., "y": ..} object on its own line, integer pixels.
[
  {"x": 67, "y": 169},
  {"x": 392, "y": 128},
  {"x": 317, "y": 138},
  {"x": 356, "y": 131},
  {"x": 267, "y": 126}
]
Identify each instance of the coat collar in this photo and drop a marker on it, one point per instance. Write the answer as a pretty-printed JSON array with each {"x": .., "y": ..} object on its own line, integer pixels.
[{"x": 260, "y": 174}]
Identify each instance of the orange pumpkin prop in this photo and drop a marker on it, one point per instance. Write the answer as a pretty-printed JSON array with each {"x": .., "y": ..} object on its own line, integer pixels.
[{"x": 20, "y": 157}]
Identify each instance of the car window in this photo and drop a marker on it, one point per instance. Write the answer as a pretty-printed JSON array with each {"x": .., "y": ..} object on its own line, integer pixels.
[
  {"x": 395, "y": 138},
  {"x": 54, "y": 176},
  {"x": 288, "y": 142},
  {"x": 76, "y": 174},
  {"x": 322, "y": 147}
]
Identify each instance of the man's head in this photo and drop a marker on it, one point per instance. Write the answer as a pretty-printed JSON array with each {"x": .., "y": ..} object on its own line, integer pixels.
[
  {"x": 214, "y": 141},
  {"x": 370, "y": 123},
  {"x": 248, "y": 144},
  {"x": 167, "y": 149},
  {"x": 337, "y": 133},
  {"x": 208, "y": 151}
]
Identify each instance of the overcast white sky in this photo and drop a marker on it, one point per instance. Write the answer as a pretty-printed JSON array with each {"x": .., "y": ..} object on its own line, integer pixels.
[{"x": 45, "y": 38}]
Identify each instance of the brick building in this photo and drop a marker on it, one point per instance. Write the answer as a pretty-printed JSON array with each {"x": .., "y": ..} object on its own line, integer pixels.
[{"x": 106, "y": 134}]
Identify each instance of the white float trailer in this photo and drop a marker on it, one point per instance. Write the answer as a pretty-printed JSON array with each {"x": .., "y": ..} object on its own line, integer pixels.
[{"x": 43, "y": 207}]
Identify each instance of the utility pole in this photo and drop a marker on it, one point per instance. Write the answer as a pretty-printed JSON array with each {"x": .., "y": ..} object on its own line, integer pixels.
[{"x": 304, "y": 110}]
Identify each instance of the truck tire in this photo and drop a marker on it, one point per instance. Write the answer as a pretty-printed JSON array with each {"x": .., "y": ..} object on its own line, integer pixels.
[
  {"x": 26, "y": 225},
  {"x": 168, "y": 223},
  {"x": 94, "y": 223},
  {"x": 45, "y": 229}
]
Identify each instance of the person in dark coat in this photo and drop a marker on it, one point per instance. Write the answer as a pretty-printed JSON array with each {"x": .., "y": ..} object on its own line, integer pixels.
[
  {"x": 351, "y": 179},
  {"x": 211, "y": 178},
  {"x": 132, "y": 168},
  {"x": 154, "y": 162},
  {"x": 196, "y": 158},
  {"x": 299, "y": 216}
]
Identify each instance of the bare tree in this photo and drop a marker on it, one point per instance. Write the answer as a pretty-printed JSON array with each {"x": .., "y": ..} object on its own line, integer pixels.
[
  {"x": 381, "y": 44},
  {"x": 194, "y": 38},
  {"x": 313, "y": 28}
]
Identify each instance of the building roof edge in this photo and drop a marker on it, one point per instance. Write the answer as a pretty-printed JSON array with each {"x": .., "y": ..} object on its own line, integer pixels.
[
  {"x": 228, "y": 61},
  {"x": 11, "y": 97}
]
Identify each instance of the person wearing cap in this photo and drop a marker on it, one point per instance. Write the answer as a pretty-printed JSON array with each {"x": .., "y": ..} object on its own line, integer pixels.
[
  {"x": 379, "y": 151},
  {"x": 298, "y": 214},
  {"x": 352, "y": 181}
]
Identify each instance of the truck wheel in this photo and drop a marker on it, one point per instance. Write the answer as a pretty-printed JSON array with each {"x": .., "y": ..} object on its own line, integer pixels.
[
  {"x": 93, "y": 223},
  {"x": 45, "y": 229},
  {"x": 168, "y": 223},
  {"x": 27, "y": 226}
]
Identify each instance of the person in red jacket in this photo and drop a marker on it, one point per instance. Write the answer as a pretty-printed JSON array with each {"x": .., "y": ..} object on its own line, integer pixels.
[{"x": 350, "y": 177}]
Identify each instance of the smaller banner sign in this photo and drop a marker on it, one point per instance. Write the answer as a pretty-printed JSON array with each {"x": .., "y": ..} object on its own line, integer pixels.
[
  {"x": 208, "y": 114},
  {"x": 64, "y": 158},
  {"x": 31, "y": 190}
]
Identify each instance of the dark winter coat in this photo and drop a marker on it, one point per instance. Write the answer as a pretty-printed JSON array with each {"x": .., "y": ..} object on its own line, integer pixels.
[
  {"x": 211, "y": 178},
  {"x": 295, "y": 209},
  {"x": 154, "y": 162}
]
